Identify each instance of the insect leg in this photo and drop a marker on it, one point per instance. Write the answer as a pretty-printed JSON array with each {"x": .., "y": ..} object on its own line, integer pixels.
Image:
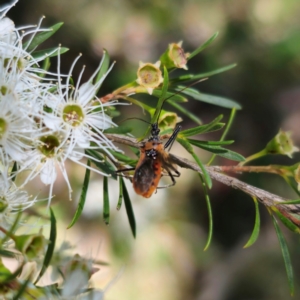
[
  {"x": 125, "y": 170},
  {"x": 124, "y": 175},
  {"x": 172, "y": 178}
]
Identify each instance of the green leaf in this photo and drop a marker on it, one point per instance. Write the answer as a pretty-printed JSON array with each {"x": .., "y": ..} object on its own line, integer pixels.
[
  {"x": 296, "y": 201},
  {"x": 288, "y": 223},
  {"x": 255, "y": 232},
  {"x": 171, "y": 96},
  {"x": 210, "y": 216},
  {"x": 190, "y": 115},
  {"x": 228, "y": 126},
  {"x": 140, "y": 104},
  {"x": 120, "y": 194},
  {"x": 104, "y": 165},
  {"x": 286, "y": 256},
  {"x": 203, "y": 46},
  {"x": 46, "y": 66},
  {"x": 51, "y": 246},
  {"x": 213, "y": 144},
  {"x": 41, "y": 37},
  {"x": 105, "y": 201},
  {"x": 214, "y": 148},
  {"x": 6, "y": 253},
  {"x": 51, "y": 52},
  {"x": 123, "y": 158},
  {"x": 162, "y": 97},
  {"x": 118, "y": 130},
  {"x": 203, "y": 128},
  {"x": 6, "y": 276},
  {"x": 104, "y": 67},
  {"x": 204, "y": 171},
  {"x": 211, "y": 99},
  {"x": 13, "y": 171},
  {"x": 136, "y": 151},
  {"x": 191, "y": 77},
  {"x": 128, "y": 207},
  {"x": 190, "y": 149},
  {"x": 82, "y": 198}
]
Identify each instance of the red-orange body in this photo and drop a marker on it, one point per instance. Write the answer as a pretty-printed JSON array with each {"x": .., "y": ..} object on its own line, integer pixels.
[{"x": 153, "y": 160}]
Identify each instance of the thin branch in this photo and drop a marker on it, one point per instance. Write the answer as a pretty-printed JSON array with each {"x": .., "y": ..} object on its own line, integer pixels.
[
  {"x": 265, "y": 197},
  {"x": 251, "y": 169}
]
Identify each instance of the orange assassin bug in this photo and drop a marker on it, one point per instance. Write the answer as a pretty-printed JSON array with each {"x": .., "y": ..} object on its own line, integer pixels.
[{"x": 154, "y": 159}]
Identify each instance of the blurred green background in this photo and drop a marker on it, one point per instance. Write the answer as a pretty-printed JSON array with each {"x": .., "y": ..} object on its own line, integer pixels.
[{"x": 167, "y": 261}]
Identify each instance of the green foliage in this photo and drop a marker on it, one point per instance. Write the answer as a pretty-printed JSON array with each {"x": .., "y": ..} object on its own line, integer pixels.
[
  {"x": 286, "y": 256},
  {"x": 82, "y": 196},
  {"x": 211, "y": 99},
  {"x": 104, "y": 66},
  {"x": 256, "y": 229},
  {"x": 128, "y": 207},
  {"x": 51, "y": 246},
  {"x": 106, "y": 211},
  {"x": 203, "y": 46},
  {"x": 51, "y": 52},
  {"x": 41, "y": 37},
  {"x": 210, "y": 214}
]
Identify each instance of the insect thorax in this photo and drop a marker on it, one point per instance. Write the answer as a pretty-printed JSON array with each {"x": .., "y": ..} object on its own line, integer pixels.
[{"x": 151, "y": 153}]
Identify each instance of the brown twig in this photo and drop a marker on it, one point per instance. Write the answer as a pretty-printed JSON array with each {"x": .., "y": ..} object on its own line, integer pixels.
[
  {"x": 266, "y": 198},
  {"x": 249, "y": 169}
]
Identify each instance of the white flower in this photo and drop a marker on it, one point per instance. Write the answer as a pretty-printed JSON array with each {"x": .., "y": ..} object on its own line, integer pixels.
[
  {"x": 12, "y": 200},
  {"x": 16, "y": 127},
  {"x": 49, "y": 154},
  {"x": 80, "y": 113},
  {"x": 7, "y": 31},
  {"x": 15, "y": 57}
]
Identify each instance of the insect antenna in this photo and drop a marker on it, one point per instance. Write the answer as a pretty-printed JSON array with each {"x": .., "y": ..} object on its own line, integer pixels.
[
  {"x": 134, "y": 118},
  {"x": 178, "y": 92}
]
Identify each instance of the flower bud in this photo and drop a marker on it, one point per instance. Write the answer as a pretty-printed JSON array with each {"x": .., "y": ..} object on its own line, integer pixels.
[
  {"x": 174, "y": 57},
  {"x": 32, "y": 245},
  {"x": 282, "y": 144},
  {"x": 168, "y": 120},
  {"x": 149, "y": 76}
]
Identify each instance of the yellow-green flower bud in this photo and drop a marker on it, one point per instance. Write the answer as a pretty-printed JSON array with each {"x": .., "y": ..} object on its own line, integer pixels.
[
  {"x": 149, "y": 76},
  {"x": 168, "y": 120},
  {"x": 32, "y": 245},
  {"x": 174, "y": 57},
  {"x": 282, "y": 144}
]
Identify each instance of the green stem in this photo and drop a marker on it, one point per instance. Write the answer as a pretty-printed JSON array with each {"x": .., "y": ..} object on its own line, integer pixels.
[
  {"x": 124, "y": 87},
  {"x": 254, "y": 156}
]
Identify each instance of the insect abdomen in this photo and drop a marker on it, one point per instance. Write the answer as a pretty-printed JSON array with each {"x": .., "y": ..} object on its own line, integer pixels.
[{"x": 146, "y": 177}]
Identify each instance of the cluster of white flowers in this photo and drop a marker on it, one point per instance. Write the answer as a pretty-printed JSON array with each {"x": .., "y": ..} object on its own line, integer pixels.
[{"x": 44, "y": 119}]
